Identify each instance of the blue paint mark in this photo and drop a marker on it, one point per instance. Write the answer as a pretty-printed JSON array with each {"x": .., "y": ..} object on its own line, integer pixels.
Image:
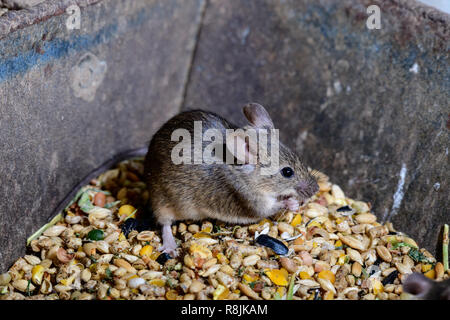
[{"x": 59, "y": 48}]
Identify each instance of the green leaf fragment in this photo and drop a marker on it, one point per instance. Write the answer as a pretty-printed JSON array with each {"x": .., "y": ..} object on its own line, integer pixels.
[
  {"x": 85, "y": 203},
  {"x": 418, "y": 256}
]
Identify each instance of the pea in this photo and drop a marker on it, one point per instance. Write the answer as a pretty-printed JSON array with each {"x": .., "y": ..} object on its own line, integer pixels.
[{"x": 95, "y": 235}]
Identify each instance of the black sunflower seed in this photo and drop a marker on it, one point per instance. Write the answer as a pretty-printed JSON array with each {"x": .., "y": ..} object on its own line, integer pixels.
[
  {"x": 390, "y": 278},
  {"x": 129, "y": 226},
  {"x": 344, "y": 209},
  {"x": 276, "y": 245},
  {"x": 163, "y": 257}
]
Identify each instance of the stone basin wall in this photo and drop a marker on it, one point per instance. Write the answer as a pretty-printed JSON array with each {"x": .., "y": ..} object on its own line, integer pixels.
[{"x": 368, "y": 107}]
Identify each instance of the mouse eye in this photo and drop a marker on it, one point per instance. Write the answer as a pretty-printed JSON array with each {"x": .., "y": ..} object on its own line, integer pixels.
[{"x": 287, "y": 172}]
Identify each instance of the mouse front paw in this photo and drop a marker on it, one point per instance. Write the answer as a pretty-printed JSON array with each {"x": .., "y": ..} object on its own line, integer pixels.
[{"x": 291, "y": 204}]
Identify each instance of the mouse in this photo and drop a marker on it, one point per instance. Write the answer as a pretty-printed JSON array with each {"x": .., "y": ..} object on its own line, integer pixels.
[
  {"x": 424, "y": 288},
  {"x": 233, "y": 184}
]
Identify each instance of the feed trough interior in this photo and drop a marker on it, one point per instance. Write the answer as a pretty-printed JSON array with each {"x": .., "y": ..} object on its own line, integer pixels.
[{"x": 366, "y": 107}]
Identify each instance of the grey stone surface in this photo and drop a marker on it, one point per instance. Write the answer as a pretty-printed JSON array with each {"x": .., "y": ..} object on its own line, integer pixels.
[
  {"x": 358, "y": 104},
  {"x": 52, "y": 136}
]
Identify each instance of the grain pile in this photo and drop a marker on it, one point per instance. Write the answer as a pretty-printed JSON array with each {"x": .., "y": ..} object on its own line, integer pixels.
[{"x": 335, "y": 250}]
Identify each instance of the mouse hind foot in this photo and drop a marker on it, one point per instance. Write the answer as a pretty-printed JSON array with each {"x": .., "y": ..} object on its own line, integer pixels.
[{"x": 169, "y": 245}]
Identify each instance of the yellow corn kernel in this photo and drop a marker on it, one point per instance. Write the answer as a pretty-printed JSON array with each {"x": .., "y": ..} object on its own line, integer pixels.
[
  {"x": 328, "y": 296},
  {"x": 250, "y": 278},
  {"x": 304, "y": 275},
  {"x": 157, "y": 282},
  {"x": 221, "y": 293},
  {"x": 154, "y": 255},
  {"x": 122, "y": 237},
  {"x": 314, "y": 244},
  {"x": 135, "y": 291},
  {"x": 171, "y": 295},
  {"x": 278, "y": 277},
  {"x": 126, "y": 210},
  {"x": 426, "y": 267},
  {"x": 328, "y": 275},
  {"x": 146, "y": 250},
  {"x": 222, "y": 258},
  {"x": 430, "y": 274},
  {"x": 37, "y": 273},
  {"x": 297, "y": 220},
  {"x": 237, "y": 291},
  {"x": 338, "y": 244},
  {"x": 377, "y": 286},
  {"x": 68, "y": 281},
  {"x": 339, "y": 220}
]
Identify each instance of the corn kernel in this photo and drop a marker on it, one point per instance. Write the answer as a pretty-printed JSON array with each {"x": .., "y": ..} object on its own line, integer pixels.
[
  {"x": 222, "y": 258},
  {"x": 37, "y": 273},
  {"x": 154, "y": 255},
  {"x": 68, "y": 281},
  {"x": 338, "y": 244},
  {"x": 146, "y": 251},
  {"x": 250, "y": 278},
  {"x": 221, "y": 293},
  {"x": 430, "y": 274},
  {"x": 297, "y": 220},
  {"x": 304, "y": 275},
  {"x": 426, "y": 267},
  {"x": 122, "y": 237},
  {"x": 328, "y": 275},
  {"x": 279, "y": 277},
  {"x": 377, "y": 286}
]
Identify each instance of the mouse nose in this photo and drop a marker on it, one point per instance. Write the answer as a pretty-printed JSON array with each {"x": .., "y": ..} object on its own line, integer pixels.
[{"x": 307, "y": 188}]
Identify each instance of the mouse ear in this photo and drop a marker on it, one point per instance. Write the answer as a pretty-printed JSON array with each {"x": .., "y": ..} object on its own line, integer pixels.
[
  {"x": 417, "y": 284},
  {"x": 258, "y": 116},
  {"x": 242, "y": 146}
]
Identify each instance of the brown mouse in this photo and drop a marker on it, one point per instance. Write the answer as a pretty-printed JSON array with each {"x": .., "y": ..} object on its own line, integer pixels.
[
  {"x": 233, "y": 192},
  {"x": 426, "y": 289}
]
